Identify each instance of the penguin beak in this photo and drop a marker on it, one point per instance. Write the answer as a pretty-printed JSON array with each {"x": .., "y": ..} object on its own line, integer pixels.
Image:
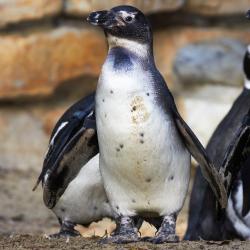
[
  {"x": 248, "y": 14},
  {"x": 105, "y": 19}
]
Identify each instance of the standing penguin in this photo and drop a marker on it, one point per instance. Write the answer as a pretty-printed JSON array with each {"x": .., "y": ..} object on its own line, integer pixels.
[
  {"x": 144, "y": 143},
  {"x": 71, "y": 180},
  {"x": 203, "y": 222}
]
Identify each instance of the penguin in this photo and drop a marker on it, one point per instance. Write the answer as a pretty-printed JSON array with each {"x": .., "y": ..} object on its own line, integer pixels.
[
  {"x": 71, "y": 179},
  {"x": 144, "y": 144},
  {"x": 203, "y": 222}
]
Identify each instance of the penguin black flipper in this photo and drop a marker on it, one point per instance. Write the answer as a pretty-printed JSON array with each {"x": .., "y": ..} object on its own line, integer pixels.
[
  {"x": 210, "y": 173},
  {"x": 245, "y": 177},
  {"x": 234, "y": 161},
  {"x": 73, "y": 142},
  {"x": 70, "y": 122}
]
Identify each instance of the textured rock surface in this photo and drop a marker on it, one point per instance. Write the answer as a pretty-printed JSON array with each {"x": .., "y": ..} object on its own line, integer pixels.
[
  {"x": 12, "y": 11},
  {"x": 217, "y": 61},
  {"x": 171, "y": 40},
  {"x": 83, "y": 7},
  {"x": 23, "y": 140},
  {"x": 35, "y": 64},
  {"x": 218, "y": 7}
]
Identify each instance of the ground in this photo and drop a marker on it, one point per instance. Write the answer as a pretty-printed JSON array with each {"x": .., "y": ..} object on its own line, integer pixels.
[
  {"x": 24, "y": 221},
  {"x": 38, "y": 242}
]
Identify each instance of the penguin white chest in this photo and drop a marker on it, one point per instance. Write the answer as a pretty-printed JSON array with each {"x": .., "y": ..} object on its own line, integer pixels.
[{"x": 144, "y": 164}]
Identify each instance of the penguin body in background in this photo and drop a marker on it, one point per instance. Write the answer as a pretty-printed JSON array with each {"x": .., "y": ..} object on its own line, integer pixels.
[
  {"x": 203, "y": 222},
  {"x": 71, "y": 180},
  {"x": 144, "y": 143}
]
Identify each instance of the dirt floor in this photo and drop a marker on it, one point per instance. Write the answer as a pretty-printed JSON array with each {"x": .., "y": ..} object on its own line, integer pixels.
[
  {"x": 24, "y": 221},
  {"x": 38, "y": 242}
]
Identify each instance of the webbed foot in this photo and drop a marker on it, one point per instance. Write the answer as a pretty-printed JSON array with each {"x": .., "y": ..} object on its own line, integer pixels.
[
  {"x": 67, "y": 230},
  {"x": 126, "y": 232},
  {"x": 166, "y": 232}
]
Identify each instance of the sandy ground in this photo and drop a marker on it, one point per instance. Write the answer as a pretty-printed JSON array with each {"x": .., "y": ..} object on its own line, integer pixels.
[
  {"x": 23, "y": 212},
  {"x": 24, "y": 221},
  {"x": 38, "y": 242}
]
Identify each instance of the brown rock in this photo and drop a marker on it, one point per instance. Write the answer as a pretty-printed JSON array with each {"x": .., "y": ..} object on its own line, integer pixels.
[
  {"x": 35, "y": 64},
  {"x": 218, "y": 7},
  {"x": 23, "y": 140},
  {"x": 84, "y": 7},
  {"x": 169, "y": 41},
  {"x": 12, "y": 11}
]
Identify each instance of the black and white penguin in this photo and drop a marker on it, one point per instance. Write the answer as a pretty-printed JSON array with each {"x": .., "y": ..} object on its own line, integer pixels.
[
  {"x": 144, "y": 143},
  {"x": 203, "y": 222},
  {"x": 71, "y": 180}
]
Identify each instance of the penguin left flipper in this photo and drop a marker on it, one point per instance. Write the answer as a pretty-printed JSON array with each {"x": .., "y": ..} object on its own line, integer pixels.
[
  {"x": 73, "y": 142},
  {"x": 234, "y": 161}
]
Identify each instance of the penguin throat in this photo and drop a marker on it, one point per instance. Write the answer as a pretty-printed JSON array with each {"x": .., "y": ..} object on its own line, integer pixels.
[{"x": 141, "y": 49}]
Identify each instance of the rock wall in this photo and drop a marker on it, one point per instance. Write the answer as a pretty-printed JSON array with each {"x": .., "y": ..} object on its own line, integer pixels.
[{"x": 50, "y": 57}]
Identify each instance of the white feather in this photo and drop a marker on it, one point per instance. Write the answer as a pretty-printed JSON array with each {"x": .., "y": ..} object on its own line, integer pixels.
[
  {"x": 247, "y": 83},
  {"x": 84, "y": 200},
  {"x": 58, "y": 130},
  {"x": 241, "y": 224}
]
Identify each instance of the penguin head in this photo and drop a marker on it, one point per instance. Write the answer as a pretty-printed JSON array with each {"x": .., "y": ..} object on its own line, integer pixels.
[
  {"x": 125, "y": 22},
  {"x": 246, "y": 61},
  {"x": 246, "y": 64},
  {"x": 248, "y": 14}
]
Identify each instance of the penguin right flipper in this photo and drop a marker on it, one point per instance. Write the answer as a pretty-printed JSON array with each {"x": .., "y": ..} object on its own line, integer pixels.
[
  {"x": 235, "y": 157},
  {"x": 73, "y": 142},
  {"x": 209, "y": 171}
]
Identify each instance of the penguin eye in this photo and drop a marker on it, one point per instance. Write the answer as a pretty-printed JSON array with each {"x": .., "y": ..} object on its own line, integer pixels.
[{"x": 128, "y": 19}]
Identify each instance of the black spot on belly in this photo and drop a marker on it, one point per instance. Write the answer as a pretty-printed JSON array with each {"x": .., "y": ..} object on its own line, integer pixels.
[
  {"x": 63, "y": 209},
  {"x": 105, "y": 115},
  {"x": 148, "y": 180},
  {"x": 111, "y": 91},
  {"x": 121, "y": 145},
  {"x": 134, "y": 108},
  {"x": 95, "y": 208},
  {"x": 103, "y": 100},
  {"x": 117, "y": 207},
  {"x": 141, "y": 134},
  {"x": 117, "y": 149},
  {"x": 133, "y": 200},
  {"x": 170, "y": 178},
  {"x": 147, "y": 94},
  {"x": 141, "y": 141}
]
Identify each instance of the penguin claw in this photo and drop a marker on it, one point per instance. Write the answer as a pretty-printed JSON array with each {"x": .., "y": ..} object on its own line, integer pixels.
[
  {"x": 160, "y": 239},
  {"x": 63, "y": 234},
  {"x": 120, "y": 239}
]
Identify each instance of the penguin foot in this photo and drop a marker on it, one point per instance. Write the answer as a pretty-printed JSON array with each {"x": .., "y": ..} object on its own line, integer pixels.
[
  {"x": 64, "y": 234},
  {"x": 166, "y": 232},
  {"x": 125, "y": 232},
  {"x": 67, "y": 230}
]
